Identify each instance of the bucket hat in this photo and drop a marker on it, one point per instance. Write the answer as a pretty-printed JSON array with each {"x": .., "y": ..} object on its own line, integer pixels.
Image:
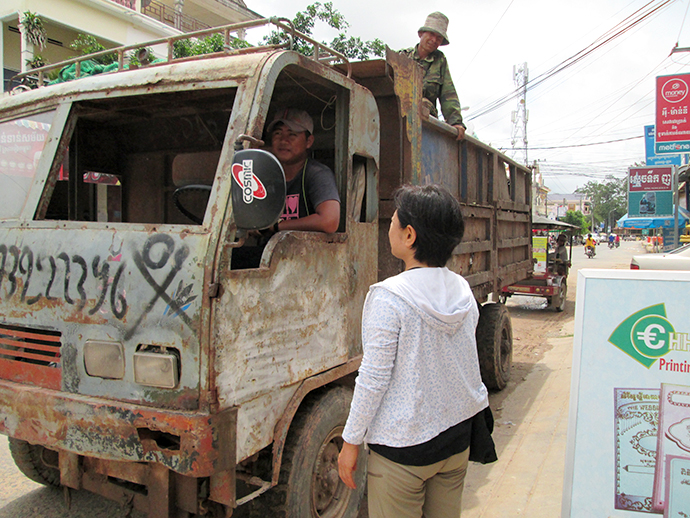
[
  {"x": 296, "y": 120},
  {"x": 437, "y": 23}
]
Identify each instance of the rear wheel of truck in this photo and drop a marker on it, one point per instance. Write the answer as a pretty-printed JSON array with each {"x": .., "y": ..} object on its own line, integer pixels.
[
  {"x": 309, "y": 484},
  {"x": 494, "y": 345},
  {"x": 36, "y": 462}
]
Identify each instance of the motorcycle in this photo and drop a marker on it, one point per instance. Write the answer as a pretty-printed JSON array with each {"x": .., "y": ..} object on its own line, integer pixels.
[
  {"x": 589, "y": 252},
  {"x": 611, "y": 245}
]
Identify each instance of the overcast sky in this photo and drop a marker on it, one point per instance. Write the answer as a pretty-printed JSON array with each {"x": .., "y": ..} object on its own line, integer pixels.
[{"x": 609, "y": 95}]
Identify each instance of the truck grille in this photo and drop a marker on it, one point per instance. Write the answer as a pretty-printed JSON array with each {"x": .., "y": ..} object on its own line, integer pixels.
[{"x": 30, "y": 356}]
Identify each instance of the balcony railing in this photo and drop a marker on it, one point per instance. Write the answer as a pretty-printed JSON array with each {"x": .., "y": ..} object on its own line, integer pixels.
[
  {"x": 167, "y": 15},
  {"x": 125, "y": 3}
]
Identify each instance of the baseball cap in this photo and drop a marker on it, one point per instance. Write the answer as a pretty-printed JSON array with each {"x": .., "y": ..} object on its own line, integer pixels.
[{"x": 296, "y": 120}]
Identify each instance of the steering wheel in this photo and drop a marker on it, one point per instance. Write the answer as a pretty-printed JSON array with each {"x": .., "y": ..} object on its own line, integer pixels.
[{"x": 185, "y": 189}]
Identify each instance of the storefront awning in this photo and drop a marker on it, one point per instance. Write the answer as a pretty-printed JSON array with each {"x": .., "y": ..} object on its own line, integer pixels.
[{"x": 655, "y": 222}]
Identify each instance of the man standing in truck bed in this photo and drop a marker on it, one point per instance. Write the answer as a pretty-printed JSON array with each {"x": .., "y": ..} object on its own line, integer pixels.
[{"x": 438, "y": 84}]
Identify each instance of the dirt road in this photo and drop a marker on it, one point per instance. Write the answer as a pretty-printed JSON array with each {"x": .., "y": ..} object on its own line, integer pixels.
[{"x": 534, "y": 322}]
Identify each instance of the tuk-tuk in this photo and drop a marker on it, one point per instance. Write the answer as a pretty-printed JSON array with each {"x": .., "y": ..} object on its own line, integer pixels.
[{"x": 549, "y": 276}]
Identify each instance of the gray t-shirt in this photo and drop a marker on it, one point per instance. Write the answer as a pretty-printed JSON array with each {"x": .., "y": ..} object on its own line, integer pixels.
[{"x": 306, "y": 191}]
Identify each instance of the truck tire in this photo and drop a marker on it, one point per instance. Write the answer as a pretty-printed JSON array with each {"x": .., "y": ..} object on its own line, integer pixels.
[
  {"x": 309, "y": 485},
  {"x": 36, "y": 462},
  {"x": 494, "y": 345}
]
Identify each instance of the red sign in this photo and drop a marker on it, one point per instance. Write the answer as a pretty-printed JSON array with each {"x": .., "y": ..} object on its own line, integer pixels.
[
  {"x": 21, "y": 144},
  {"x": 251, "y": 185},
  {"x": 672, "y": 108},
  {"x": 650, "y": 179}
]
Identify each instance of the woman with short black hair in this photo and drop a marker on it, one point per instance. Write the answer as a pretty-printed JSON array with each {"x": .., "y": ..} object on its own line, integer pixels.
[{"x": 419, "y": 386}]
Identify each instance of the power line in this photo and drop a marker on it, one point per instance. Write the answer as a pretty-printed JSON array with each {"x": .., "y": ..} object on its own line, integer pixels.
[
  {"x": 682, "y": 24},
  {"x": 591, "y": 144},
  {"x": 609, "y": 105},
  {"x": 606, "y": 38},
  {"x": 487, "y": 39}
]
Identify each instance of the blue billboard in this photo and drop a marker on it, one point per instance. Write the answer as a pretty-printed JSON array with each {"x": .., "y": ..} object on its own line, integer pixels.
[{"x": 651, "y": 157}]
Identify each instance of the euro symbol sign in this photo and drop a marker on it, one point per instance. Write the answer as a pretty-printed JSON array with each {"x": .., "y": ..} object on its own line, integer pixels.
[
  {"x": 643, "y": 335},
  {"x": 649, "y": 336}
]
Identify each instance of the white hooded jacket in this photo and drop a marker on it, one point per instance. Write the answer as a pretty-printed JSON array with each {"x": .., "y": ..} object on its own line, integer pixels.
[{"x": 420, "y": 372}]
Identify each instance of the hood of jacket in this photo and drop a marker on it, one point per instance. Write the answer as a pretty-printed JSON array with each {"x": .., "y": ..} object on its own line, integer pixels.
[{"x": 441, "y": 296}]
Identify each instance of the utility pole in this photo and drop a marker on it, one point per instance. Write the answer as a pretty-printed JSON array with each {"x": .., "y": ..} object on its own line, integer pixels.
[{"x": 521, "y": 115}]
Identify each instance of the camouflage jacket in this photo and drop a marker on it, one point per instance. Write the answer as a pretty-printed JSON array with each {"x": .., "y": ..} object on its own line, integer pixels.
[{"x": 438, "y": 85}]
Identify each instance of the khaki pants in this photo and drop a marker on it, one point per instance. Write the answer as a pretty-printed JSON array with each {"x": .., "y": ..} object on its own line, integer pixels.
[{"x": 398, "y": 491}]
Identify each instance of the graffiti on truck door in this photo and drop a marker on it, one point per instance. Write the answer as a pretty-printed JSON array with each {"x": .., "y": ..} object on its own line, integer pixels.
[
  {"x": 96, "y": 284},
  {"x": 146, "y": 263}
]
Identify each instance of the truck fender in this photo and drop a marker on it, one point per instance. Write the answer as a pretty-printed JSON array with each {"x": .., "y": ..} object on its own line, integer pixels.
[{"x": 307, "y": 386}]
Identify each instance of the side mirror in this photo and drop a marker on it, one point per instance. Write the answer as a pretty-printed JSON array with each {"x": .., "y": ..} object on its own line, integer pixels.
[{"x": 258, "y": 189}]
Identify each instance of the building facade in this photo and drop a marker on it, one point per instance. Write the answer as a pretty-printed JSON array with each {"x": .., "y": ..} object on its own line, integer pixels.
[
  {"x": 559, "y": 204},
  {"x": 540, "y": 192}
]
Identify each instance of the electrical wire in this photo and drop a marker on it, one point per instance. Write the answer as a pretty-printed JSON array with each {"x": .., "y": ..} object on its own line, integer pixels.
[
  {"x": 484, "y": 42},
  {"x": 621, "y": 28},
  {"x": 614, "y": 98},
  {"x": 682, "y": 23},
  {"x": 619, "y": 160},
  {"x": 599, "y": 129},
  {"x": 590, "y": 144}
]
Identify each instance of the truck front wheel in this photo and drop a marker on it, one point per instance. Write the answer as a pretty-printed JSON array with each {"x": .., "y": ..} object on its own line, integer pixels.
[
  {"x": 494, "y": 345},
  {"x": 36, "y": 462},
  {"x": 309, "y": 484}
]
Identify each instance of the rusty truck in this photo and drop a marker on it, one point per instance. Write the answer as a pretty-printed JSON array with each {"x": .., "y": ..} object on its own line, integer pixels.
[{"x": 135, "y": 361}]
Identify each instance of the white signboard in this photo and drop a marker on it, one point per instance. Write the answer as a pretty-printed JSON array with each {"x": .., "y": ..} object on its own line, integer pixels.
[{"x": 629, "y": 423}]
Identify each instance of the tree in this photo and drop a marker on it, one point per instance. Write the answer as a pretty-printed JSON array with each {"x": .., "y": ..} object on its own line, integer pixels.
[
  {"x": 575, "y": 217},
  {"x": 207, "y": 45},
  {"x": 304, "y": 22},
  {"x": 609, "y": 199},
  {"x": 87, "y": 44}
]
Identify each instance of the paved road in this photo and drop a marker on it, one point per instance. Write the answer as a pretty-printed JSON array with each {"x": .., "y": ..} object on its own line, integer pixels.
[{"x": 22, "y": 498}]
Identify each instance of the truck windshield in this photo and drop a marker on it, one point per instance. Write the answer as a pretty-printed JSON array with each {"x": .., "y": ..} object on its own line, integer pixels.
[
  {"x": 21, "y": 144},
  {"x": 148, "y": 158}
]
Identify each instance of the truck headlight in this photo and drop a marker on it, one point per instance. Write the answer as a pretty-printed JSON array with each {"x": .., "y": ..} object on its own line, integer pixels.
[
  {"x": 104, "y": 359},
  {"x": 156, "y": 369}
]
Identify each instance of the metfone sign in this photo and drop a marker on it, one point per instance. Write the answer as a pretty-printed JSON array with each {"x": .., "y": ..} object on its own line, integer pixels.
[
  {"x": 672, "y": 120},
  {"x": 650, "y": 191},
  {"x": 651, "y": 158}
]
